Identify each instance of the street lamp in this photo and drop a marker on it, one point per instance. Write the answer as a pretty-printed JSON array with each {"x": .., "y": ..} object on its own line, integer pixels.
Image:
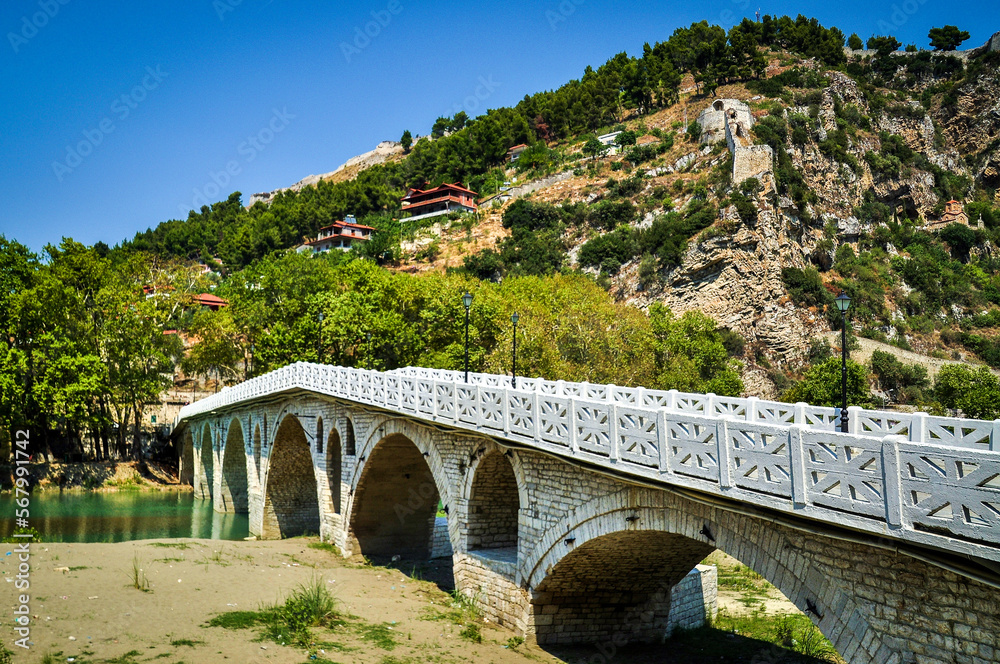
[
  {"x": 467, "y": 301},
  {"x": 843, "y": 304},
  {"x": 319, "y": 341},
  {"x": 513, "y": 365}
]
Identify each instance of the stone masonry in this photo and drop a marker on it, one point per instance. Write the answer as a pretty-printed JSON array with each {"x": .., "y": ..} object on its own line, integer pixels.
[{"x": 561, "y": 553}]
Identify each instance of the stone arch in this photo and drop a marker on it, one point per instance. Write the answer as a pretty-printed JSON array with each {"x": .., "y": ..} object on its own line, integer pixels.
[
  {"x": 206, "y": 478},
  {"x": 334, "y": 470},
  {"x": 494, "y": 502},
  {"x": 396, "y": 493},
  {"x": 233, "y": 493},
  {"x": 291, "y": 503},
  {"x": 615, "y": 585},
  {"x": 257, "y": 435},
  {"x": 186, "y": 461},
  {"x": 779, "y": 554},
  {"x": 350, "y": 442},
  {"x": 718, "y": 105}
]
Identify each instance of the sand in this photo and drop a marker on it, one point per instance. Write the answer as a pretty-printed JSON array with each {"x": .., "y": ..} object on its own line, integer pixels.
[{"x": 84, "y": 606}]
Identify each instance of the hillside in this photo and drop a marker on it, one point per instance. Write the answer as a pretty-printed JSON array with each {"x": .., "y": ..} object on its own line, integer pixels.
[{"x": 744, "y": 180}]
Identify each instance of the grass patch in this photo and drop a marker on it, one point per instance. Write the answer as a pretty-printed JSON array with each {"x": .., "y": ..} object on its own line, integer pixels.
[
  {"x": 460, "y": 609},
  {"x": 77, "y": 568},
  {"x": 172, "y": 545},
  {"x": 137, "y": 575},
  {"x": 190, "y": 643},
  {"x": 382, "y": 635},
  {"x": 794, "y": 632},
  {"x": 127, "y": 658},
  {"x": 325, "y": 546},
  {"x": 472, "y": 633},
  {"x": 165, "y": 560},
  {"x": 310, "y": 605}
]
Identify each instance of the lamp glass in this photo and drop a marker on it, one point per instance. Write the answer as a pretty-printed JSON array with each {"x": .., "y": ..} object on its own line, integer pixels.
[
  {"x": 514, "y": 318},
  {"x": 467, "y": 300},
  {"x": 843, "y": 302}
]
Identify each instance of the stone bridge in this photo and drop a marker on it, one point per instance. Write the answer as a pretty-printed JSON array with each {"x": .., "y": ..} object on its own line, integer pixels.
[{"x": 573, "y": 509}]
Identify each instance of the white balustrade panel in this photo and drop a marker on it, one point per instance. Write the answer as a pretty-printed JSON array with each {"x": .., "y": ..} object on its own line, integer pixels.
[{"x": 931, "y": 480}]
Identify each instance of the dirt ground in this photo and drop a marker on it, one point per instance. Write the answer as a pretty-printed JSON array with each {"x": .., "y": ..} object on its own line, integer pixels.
[{"x": 85, "y": 608}]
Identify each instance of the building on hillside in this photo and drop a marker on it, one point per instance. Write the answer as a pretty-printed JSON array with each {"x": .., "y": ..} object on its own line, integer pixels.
[
  {"x": 420, "y": 203},
  {"x": 515, "y": 152},
  {"x": 730, "y": 120},
  {"x": 954, "y": 213},
  {"x": 610, "y": 140},
  {"x": 209, "y": 301},
  {"x": 340, "y": 235}
]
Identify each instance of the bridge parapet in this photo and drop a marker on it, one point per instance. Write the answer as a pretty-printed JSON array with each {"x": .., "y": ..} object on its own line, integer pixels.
[{"x": 940, "y": 488}]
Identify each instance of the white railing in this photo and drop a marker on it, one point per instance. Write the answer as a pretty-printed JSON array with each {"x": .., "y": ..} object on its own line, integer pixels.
[{"x": 930, "y": 480}]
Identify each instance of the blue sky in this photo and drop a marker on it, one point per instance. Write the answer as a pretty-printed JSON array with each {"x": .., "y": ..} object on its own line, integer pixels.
[{"x": 118, "y": 115}]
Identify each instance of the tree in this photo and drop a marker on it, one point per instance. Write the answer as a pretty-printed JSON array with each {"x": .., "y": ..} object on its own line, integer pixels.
[
  {"x": 691, "y": 355},
  {"x": 821, "y": 386},
  {"x": 883, "y": 46},
  {"x": 975, "y": 393},
  {"x": 594, "y": 147},
  {"x": 947, "y": 38},
  {"x": 406, "y": 140},
  {"x": 854, "y": 42}
]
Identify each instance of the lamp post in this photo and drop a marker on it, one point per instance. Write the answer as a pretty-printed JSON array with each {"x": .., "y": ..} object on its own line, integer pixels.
[
  {"x": 513, "y": 365},
  {"x": 467, "y": 301},
  {"x": 319, "y": 340},
  {"x": 843, "y": 304}
]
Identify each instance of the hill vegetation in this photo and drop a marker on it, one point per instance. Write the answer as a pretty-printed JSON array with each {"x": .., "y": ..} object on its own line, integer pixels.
[{"x": 87, "y": 351}]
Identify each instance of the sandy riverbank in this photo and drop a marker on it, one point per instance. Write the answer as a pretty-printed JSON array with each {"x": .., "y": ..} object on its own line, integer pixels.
[{"x": 85, "y": 608}]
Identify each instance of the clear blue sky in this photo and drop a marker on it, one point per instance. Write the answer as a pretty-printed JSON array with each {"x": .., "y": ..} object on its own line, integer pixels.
[{"x": 156, "y": 97}]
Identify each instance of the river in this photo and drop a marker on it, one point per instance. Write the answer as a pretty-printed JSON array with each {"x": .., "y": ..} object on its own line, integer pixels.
[{"x": 77, "y": 516}]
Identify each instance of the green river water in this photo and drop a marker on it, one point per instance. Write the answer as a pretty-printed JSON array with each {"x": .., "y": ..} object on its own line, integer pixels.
[{"x": 76, "y": 516}]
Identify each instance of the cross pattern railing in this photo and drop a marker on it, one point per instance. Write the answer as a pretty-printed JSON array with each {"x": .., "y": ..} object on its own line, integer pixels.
[{"x": 930, "y": 480}]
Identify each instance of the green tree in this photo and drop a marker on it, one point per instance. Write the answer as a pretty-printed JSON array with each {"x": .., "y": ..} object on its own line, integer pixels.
[
  {"x": 594, "y": 148},
  {"x": 406, "y": 140},
  {"x": 976, "y": 393},
  {"x": 691, "y": 355},
  {"x": 821, "y": 385},
  {"x": 947, "y": 38},
  {"x": 883, "y": 46},
  {"x": 854, "y": 42}
]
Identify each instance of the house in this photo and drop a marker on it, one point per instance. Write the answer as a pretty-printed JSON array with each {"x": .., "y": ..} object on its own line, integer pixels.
[
  {"x": 340, "y": 235},
  {"x": 209, "y": 301},
  {"x": 610, "y": 140},
  {"x": 420, "y": 203},
  {"x": 515, "y": 152}
]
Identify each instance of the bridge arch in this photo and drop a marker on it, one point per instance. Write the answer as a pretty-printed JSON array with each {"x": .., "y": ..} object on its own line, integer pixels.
[
  {"x": 494, "y": 490},
  {"x": 233, "y": 488},
  {"x": 398, "y": 482},
  {"x": 257, "y": 435},
  {"x": 185, "y": 469},
  {"x": 334, "y": 470},
  {"x": 291, "y": 503},
  {"x": 350, "y": 440},
  {"x": 610, "y": 529},
  {"x": 205, "y": 475}
]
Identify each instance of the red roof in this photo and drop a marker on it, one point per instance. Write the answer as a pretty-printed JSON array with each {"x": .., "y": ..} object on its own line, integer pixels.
[
  {"x": 522, "y": 145},
  {"x": 210, "y": 300},
  {"x": 444, "y": 187},
  {"x": 347, "y": 224}
]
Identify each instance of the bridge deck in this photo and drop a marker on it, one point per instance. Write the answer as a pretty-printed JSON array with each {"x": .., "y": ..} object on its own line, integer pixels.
[{"x": 932, "y": 481}]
